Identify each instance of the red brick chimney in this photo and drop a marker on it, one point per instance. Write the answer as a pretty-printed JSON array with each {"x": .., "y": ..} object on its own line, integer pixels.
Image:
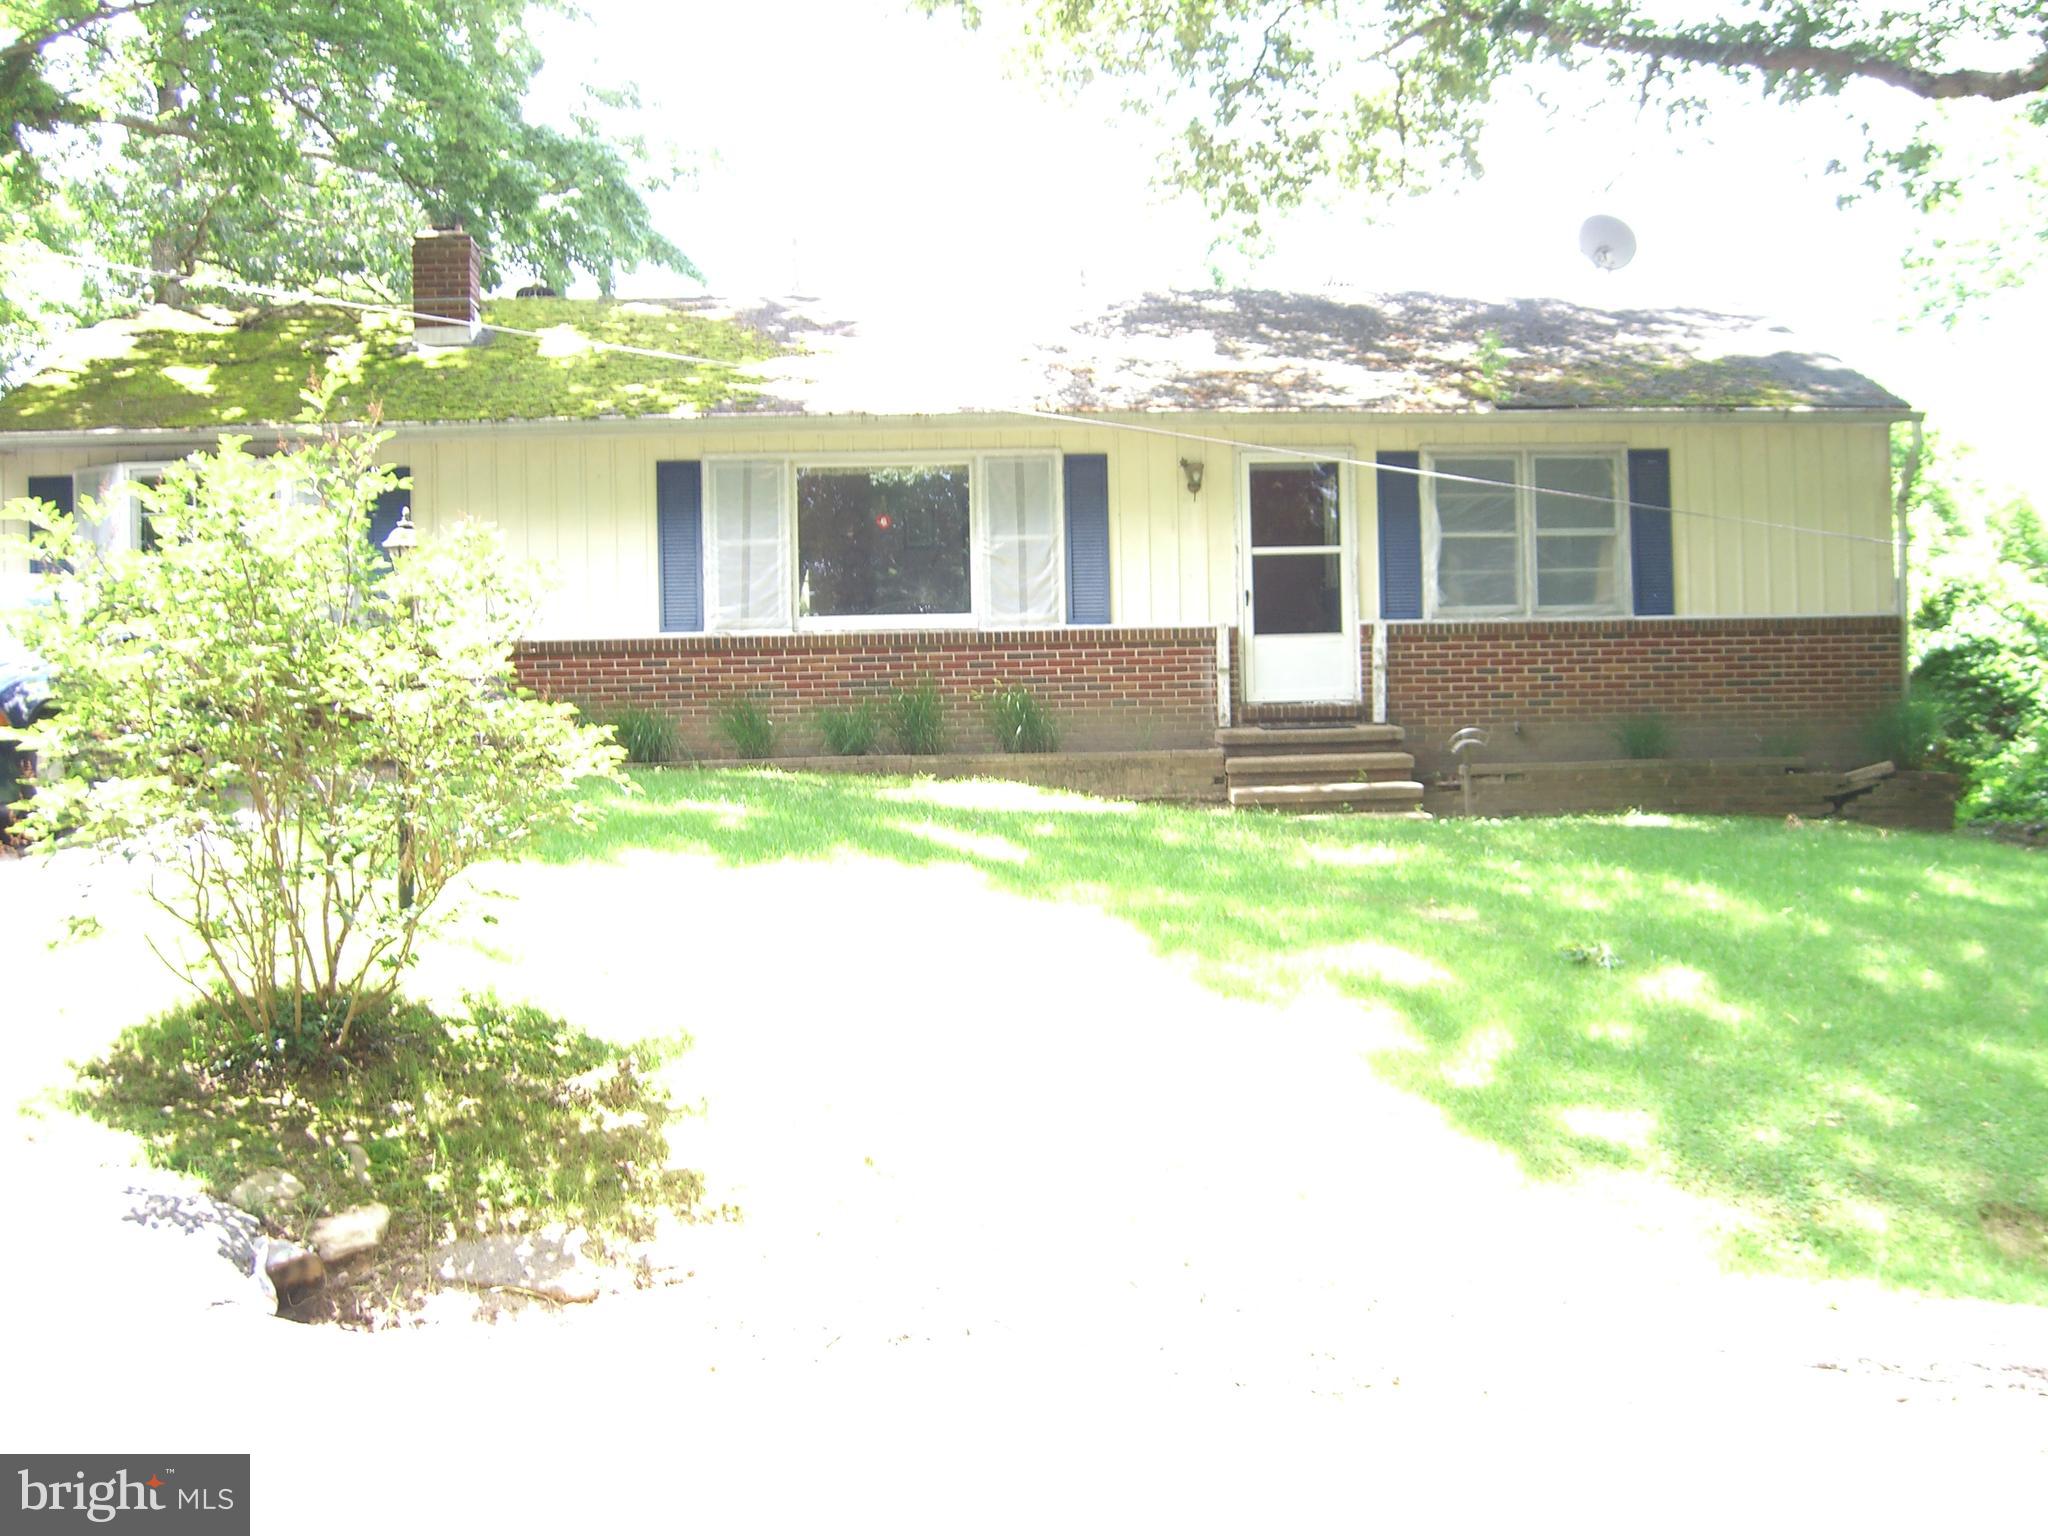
[{"x": 447, "y": 284}]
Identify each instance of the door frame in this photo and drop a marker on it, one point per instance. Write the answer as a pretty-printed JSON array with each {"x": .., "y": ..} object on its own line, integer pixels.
[{"x": 1347, "y": 562}]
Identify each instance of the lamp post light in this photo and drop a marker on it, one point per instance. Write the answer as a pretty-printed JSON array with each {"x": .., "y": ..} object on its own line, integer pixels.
[
  {"x": 397, "y": 543},
  {"x": 403, "y": 536}
]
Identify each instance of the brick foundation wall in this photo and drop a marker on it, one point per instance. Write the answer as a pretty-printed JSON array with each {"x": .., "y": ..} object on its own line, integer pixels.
[
  {"x": 1108, "y": 689},
  {"x": 1726, "y": 687}
]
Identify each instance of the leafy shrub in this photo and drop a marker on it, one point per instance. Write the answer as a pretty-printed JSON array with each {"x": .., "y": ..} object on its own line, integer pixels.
[
  {"x": 747, "y": 727},
  {"x": 917, "y": 718},
  {"x": 1643, "y": 736},
  {"x": 1020, "y": 722},
  {"x": 306, "y": 742},
  {"x": 851, "y": 732},
  {"x": 2012, "y": 785},
  {"x": 646, "y": 736},
  {"x": 1907, "y": 732},
  {"x": 1980, "y": 642}
]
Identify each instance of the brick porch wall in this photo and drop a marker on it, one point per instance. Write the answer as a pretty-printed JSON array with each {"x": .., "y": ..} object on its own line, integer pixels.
[
  {"x": 1727, "y": 687},
  {"x": 1109, "y": 689}
]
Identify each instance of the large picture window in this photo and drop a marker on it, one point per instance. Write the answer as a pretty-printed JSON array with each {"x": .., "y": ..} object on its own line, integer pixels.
[
  {"x": 884, "y": 540},
  {"x": 1530, "y": 532},
  {"x": 842, "y": 543}
]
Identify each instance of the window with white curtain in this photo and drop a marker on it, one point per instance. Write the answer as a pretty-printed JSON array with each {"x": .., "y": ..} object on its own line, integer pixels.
[
  {"x": 1022, "y": 512},
  {"x": 748, "y": 566},
  {"x": 1526, "y": 532},
  {"x": 975, "y": 539}
]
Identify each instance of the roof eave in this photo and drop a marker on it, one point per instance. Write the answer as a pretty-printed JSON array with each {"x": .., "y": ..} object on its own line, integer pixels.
[{"x": 62, "y": 437}]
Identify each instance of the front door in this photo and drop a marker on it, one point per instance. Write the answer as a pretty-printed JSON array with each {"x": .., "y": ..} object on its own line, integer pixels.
[{"x": 1301, "y": 642}]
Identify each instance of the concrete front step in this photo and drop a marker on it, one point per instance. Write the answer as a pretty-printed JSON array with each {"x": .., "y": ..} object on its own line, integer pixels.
[
  {"x": 1388, "y": 794},
  {"x": 1274, "y": 739},
  {"x": 1327, "y": 766}
]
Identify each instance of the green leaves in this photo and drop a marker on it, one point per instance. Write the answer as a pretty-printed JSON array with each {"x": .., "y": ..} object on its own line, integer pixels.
[
  {"x": 1268, "y": 100},
  {"x": 1980, "y": 642},
  {"x": 302, "y": 141},
  {"x": 284, "y": 724}
]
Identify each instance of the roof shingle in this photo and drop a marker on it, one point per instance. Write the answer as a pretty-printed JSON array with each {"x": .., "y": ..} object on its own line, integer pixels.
[{"x": 1243, "y": 351}]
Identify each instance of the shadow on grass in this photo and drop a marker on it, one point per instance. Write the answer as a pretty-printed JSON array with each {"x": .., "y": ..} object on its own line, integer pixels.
[
  {"x": 1842, "y": 1032},
  {"x": 500, "y": 1115}
]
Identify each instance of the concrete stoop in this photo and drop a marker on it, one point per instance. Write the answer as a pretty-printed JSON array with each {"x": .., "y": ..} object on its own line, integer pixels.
[{"x": 1321, "y": 768}]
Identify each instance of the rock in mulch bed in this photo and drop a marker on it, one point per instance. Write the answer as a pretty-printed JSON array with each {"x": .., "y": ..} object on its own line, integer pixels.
[
  {"x": 292, "y": 1268},
  {"x": 342, "y": 1236},
  {"x": 266, "y": 1190},
  {"x": 547, "y": 1266}
]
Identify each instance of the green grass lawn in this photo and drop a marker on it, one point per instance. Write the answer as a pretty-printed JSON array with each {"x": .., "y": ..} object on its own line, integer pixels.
[
  {"x": 498, "y": 1115},
  {"x": 1838, "y": 1032}
]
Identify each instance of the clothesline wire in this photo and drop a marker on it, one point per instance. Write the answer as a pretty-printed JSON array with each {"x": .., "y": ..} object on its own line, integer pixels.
[{"x": 1428, "y": 473}]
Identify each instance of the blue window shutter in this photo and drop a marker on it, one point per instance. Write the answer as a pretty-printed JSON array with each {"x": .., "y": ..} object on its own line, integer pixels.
[
  {"x": 1087, "y": 538},
  {"x": 57, "y": 490},
  {"x": 679, "y": 531},
  {"x": 384, "y": 516},
  {"x": 1649, "y": 530},
  {"x": 1399, "y": 482}
]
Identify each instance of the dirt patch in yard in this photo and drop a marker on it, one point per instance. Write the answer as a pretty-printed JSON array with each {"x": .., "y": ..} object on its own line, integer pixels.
[{"x": 2017, "y": 1231}]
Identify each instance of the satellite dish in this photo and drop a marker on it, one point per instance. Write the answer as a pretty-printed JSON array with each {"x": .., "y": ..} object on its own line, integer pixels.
[{"x": 1608, "y": 243}]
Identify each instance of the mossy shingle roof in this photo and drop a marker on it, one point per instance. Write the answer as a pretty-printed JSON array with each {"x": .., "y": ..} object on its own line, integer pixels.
[{"x": 1218, "y": 351}]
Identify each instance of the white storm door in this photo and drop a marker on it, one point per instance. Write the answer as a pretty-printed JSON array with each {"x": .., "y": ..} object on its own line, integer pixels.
[{"x": 1300, "y": 628}]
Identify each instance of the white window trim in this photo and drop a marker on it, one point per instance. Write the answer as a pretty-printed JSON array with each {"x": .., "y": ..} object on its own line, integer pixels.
[
  {"x": 1348, "y": 535},
  {"x": 979, "y": 542},
  {"x": 114, "y": 492},
  {"x": 1525, "y": 532}
]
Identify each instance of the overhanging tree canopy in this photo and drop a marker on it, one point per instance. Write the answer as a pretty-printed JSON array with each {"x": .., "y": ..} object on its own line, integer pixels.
[
  {"x": 296, "y": 140},
  {"x": 1281, "y": 95}
]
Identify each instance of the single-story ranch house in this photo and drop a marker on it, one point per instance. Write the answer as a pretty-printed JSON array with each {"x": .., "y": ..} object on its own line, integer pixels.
[{"x": 1191, "y": 511}]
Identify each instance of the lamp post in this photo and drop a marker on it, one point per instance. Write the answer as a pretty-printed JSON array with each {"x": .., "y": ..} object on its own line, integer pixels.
[{"x": 397, "y": 543}]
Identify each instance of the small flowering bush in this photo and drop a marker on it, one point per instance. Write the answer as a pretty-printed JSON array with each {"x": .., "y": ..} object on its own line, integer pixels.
[{"x": 305, "y": 741}]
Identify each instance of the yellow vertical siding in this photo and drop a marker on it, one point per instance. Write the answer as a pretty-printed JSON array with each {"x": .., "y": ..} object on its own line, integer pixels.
[{"x": 1764, "y": 508}]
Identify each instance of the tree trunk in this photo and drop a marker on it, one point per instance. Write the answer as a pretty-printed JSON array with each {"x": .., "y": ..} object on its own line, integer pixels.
[{"x": 165, "y": 257}]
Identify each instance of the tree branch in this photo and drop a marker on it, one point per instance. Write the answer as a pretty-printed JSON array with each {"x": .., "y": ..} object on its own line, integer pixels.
[
  {"x": 42, "y": 40},
  {"x": 1834, "y": 63},
  {"x": 1235, "y": 88}
]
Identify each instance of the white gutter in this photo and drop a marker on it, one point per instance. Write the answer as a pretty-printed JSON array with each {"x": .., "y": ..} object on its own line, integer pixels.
[{"x": 1241, "y": 422}]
